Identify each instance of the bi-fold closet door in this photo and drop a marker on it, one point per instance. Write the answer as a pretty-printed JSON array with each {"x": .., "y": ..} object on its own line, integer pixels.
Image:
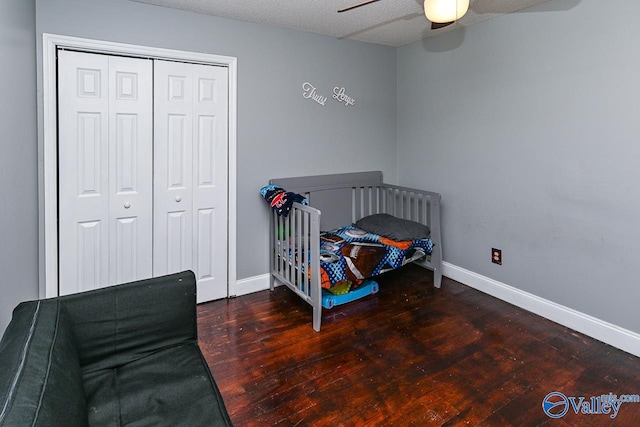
[
  {"x": 142, "y": 171},
  {"x": 190, "y": 173}
]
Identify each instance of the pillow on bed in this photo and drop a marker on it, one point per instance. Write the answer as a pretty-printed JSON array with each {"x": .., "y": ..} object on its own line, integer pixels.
[{"x": 394, "y": 228}]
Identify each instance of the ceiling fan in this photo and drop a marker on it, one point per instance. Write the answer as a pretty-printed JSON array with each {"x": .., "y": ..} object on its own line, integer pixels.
[{"x": 441, "y": 13}]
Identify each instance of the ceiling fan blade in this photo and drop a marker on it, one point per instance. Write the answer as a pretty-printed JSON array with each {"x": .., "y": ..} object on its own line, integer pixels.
[
  {"x": 364, "y": 3},
  {"x": 438, "y": 25}
]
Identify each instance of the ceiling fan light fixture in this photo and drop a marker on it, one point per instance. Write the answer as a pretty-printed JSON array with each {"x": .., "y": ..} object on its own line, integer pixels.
[{"x": 441, "y": 11}]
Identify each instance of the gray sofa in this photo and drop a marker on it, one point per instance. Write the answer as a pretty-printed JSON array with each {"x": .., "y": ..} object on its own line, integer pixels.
[{"x": 123, "y": 355}]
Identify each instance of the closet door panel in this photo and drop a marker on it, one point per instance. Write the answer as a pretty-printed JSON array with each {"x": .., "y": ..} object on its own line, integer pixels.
[
  {"x": 173, "y": 178},
  {"x": 210, "y": 172},
  {"x": 190, "y": 173},
  {"x": 83, "y": 169},
  {"x": 131, "y": 169},
  {"x": 105, "y": 170}
]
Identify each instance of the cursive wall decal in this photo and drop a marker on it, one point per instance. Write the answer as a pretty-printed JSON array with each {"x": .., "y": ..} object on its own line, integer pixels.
[
  {"x": 340, "y": 95},
  {"x": 310, "y": 92}
]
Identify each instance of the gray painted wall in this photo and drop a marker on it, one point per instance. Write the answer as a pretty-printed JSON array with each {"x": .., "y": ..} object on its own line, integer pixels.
[
  {"x": 279, "y": 132},
  {"x": 18, "y": 157},
  {"x": 541, "y": 161},
  {"x": 528, "y": 125}
]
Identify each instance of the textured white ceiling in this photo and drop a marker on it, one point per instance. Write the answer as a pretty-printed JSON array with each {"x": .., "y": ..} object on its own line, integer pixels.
[{"x": 386, "y": 22}]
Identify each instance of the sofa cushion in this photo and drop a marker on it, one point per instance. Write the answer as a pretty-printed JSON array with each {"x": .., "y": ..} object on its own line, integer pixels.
[
  {"x": 171, "y": 387},
  {"x": 119, "y": 324},
  {"x": 40, "y": 376}
]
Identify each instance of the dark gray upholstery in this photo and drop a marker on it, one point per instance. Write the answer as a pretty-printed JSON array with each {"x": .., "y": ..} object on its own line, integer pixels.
[
  {"x": 123, "y": 355},
  {"x": 40, "y": 375}
]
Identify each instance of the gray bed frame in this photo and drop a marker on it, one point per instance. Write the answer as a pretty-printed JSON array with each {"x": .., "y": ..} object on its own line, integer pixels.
[{"x": 335, "y": 201}]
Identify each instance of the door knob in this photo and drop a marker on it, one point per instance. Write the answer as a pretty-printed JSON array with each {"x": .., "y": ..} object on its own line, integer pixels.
[
  {"x": 178, "y": 199},
  {"x": 127, "y": 205}
]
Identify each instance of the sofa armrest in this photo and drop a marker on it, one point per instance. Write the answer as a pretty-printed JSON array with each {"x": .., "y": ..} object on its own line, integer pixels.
[
  {"x": 119, "y": 324},
  {"x": 40, "y": 377}
]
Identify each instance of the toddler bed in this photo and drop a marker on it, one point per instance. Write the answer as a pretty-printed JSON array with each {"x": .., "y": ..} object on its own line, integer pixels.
[{"x": 388, "y": 227}]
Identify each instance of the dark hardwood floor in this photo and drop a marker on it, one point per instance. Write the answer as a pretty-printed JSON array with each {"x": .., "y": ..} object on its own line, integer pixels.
[{"x": 409, "y": 355}]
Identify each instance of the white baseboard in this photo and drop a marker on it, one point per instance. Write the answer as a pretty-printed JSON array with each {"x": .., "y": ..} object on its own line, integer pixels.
[
  {"x": 252, "y": 284},
  {"x": 608, "y": 333}
]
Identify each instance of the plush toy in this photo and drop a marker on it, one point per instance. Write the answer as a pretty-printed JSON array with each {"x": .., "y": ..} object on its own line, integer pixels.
[{"x": 280, "y": 199}]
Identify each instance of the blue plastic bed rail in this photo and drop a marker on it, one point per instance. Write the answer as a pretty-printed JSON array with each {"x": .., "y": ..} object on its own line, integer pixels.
[{"x": 368, "y": 287}]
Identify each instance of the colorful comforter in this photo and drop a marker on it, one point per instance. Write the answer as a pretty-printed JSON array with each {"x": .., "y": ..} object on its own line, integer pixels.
[{"x": 349, "y": 255}]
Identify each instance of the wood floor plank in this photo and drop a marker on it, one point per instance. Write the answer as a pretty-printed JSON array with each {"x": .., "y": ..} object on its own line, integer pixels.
[{"x": 409, "y": 355}]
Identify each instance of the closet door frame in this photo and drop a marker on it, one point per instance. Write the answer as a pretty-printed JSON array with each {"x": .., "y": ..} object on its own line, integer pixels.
[{"x": 51, "y": 44}]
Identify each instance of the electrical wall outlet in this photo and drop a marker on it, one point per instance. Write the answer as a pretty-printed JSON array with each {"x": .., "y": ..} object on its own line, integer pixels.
[{"x": 496, "y": 256}]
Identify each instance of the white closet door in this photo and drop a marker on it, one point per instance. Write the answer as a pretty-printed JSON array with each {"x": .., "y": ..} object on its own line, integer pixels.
[
  {"x": 104, "y": 170},
  {"x": 190, "y": 173},
  {"x": 210, "y": 178},
  {"x": 173, "y": 180}
]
